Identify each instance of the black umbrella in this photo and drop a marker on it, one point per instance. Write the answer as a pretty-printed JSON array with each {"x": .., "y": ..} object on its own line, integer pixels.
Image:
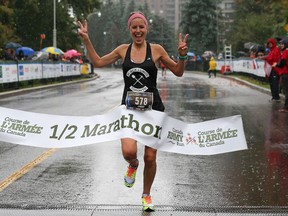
[{"x": 12, "y": 45}]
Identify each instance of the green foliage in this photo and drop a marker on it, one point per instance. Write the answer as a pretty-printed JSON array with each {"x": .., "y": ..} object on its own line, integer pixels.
[
  {"x": 7, "y": 31},
  {"x": 106, "y": 30},
  {"x": 83, "y": 8},
  {"x": 25, "y": 21},
  {"x": 200, "y": 22},
  {"x": 110, "y": 29},
  {"x": 256, "y": 21}
]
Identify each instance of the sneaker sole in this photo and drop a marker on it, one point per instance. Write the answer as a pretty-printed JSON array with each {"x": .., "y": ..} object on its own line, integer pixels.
[
  {"x": 128, "y": 185},
  {"x": 148, "y": 209}
]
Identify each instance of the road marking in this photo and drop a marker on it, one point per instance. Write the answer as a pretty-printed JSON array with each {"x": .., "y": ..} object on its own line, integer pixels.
[{"x": 18, "y": 174}]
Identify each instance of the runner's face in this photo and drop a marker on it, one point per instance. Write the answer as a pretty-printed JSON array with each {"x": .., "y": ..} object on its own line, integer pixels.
[{"x": 138, "y": 30}]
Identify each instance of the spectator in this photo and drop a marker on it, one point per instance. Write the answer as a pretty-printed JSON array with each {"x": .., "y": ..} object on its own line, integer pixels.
[
  {"x": 212, "y": 67},
  {"x": 10, "y": 54},
  {"x": 163, "y": 67},
  {"x": 283, "y": 64},
  {"x": 273, "y": 56}
]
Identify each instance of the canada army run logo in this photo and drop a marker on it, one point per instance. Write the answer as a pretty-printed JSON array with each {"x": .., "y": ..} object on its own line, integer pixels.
[{"x": 177, "y": 137}]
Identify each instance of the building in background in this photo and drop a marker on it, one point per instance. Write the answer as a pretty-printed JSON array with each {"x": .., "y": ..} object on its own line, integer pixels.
[
  {"x": 226, "y": 9},
  {"x": 171, "y": 10}
]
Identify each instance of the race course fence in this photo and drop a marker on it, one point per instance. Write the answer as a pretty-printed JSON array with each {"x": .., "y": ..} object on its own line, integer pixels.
[
  {"x": 11, "y": 71},
  {"x": 249, "y": 66}
]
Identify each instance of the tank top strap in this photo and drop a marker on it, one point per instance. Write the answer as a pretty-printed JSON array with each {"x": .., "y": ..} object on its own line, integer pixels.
[
  {"x": 128, "y": 53},
  {"x": 148, "y": 52}
]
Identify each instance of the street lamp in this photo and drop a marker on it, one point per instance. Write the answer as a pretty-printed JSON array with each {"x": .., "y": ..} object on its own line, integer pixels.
[{"x": 54, "y": 28}]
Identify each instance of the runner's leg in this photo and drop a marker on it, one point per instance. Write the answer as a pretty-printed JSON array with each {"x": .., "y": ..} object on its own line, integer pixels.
[
  {"x": 149, "y": 168},
  {"x": 129, "y": 151}
]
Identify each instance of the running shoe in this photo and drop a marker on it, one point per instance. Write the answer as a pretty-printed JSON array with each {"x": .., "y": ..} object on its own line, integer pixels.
[
  {"x": 130, "y": 175},
  {"x": 147, "y": 204}
]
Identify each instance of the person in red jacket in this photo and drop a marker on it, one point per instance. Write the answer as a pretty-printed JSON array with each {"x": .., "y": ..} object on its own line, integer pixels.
[
  {"x": 273, "y": 56},
  {"x": 283, "y": 64}
]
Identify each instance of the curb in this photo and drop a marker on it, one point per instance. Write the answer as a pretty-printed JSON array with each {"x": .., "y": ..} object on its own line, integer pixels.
[{"x": 253, "y": 86}]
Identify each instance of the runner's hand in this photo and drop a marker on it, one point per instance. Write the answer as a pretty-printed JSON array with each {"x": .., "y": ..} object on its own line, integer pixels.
[
  {"x": 182, "y": 46},
  {"x": 83, "y": 30}
]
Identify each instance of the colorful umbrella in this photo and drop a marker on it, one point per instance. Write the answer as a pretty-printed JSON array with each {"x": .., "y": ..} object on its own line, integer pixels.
[
  {"x": 53, "y": 50},
  {"x": 26, "y": 50},
  {"x": 190, "y": 54},
  {"x": 72, "y": 53},
  {"x": 12, "y": 45}
]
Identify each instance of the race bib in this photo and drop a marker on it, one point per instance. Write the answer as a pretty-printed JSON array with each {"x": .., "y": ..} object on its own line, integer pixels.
[{"x": 139, "y": 100}]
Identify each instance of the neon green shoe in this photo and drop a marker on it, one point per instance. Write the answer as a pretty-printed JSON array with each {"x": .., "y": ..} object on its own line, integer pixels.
[
  {"x": 130, "y": 175},
  {"x": 147, "y": 204}
]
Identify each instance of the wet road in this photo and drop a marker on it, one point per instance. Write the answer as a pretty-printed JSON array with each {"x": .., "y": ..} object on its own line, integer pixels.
[{"x": 94, "y": 174}]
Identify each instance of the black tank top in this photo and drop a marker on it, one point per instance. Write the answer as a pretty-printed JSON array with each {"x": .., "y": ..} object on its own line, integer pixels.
[{"x": 141, "y": 77}]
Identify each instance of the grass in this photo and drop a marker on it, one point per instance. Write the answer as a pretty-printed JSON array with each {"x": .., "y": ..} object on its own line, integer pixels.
[{"x": 259, "y": 81}]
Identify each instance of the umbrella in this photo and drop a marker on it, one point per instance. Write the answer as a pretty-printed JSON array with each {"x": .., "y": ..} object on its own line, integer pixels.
[
  {"x": 39, "y": 56},
  {"x": 53, "y": 50},
  {"x": 72, "y": 53},
  {"x": 279, "y": 38},
  {"x": 26, "y": 50},
  {"x": 248, "y": 45},
  {"x": 190, "y": 54},
  {"x": 242, "y": 53},
  {"x": 207, "y": 54},
  {"x": 12, "y": 45}
]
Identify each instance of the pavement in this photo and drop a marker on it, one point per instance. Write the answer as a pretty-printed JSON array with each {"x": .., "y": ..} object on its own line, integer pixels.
[{"x": 133, "y": 210}]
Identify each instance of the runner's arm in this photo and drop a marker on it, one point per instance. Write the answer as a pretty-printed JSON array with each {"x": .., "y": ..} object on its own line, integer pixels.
[
  {"x": 96, "y": 60},
  {"x": 176, "y": 68}
]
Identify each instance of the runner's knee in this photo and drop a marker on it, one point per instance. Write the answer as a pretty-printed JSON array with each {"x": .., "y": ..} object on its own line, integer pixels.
[{"x": 150, "y": 158}]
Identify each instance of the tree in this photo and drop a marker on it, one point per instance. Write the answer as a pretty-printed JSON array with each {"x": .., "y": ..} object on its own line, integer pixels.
[
  {"x": 113, "y": 22},
  {"x": 7, "y": 30},
  {"x": 161, "y": 33},
  {"x": 200, "y": 22},
  {"x": 28, "y": 19},
  {"x": 82, "y": 8},
  {"x": 106, "y": 30},
  {"x": 256, "y": 21}
]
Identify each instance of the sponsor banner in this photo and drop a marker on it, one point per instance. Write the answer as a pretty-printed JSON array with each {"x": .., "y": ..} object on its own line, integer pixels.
[
  {"x": 151, "y": 128},
  {"x": 250, "y": 66},
  {"x": 8, "y": 73},
  {"x": 27, "y": 70}
]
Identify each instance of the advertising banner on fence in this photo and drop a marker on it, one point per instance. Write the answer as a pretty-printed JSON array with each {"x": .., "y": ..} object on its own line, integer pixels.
[{"x": 151, "y": 128}]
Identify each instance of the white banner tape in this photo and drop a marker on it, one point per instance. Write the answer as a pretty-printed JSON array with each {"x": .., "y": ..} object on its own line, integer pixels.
[{"x": 151, "y": 128}]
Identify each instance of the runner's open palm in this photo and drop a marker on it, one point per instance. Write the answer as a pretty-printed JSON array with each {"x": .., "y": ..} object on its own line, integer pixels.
[
  {"x": 83, "y": 30},
  {"x": 182, "y": 46}
]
